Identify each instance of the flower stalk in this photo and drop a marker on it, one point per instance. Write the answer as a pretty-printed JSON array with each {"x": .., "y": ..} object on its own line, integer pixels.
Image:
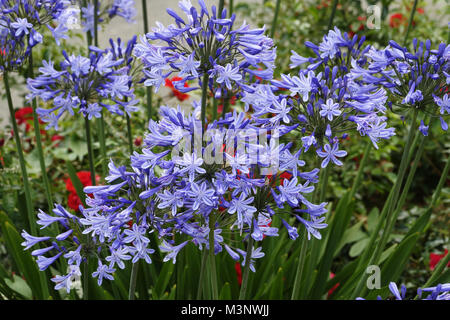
[
  {"x": 37, "y": 133},
  {"x": 148, "y": 89}
]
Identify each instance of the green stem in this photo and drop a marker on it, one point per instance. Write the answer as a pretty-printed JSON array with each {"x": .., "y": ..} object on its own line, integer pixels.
[
  {"x": 96, "y": 23},
  {"x": 133, "y": 279},
  {"x": 230, "y": 8},
  {"x": 90, "y": 150},
  {"x": 411, "y": 17},
  {"x": 215, "y": 106},
  {"x": 220, "y": 9},
  {"x": 387, "y": 211},
  {"x": 101, "y": 138},
  {"x": 333, "y": 13},
  {"x": 148, "y": 89},
  {"x": 244, "y": 286},
  {"x": 37, "y": 133},
  {"x": 86, "y": 280},
  {"x": 275, "y": 18},
  {"x": 324, "y": 183},
  {"x": 88, "y": 34},
  {"x": 26, "y": 184},
  {"x": 212, "y": 258},
  {"x": 225, "y": 106},
  {"x": 202, "y": 273},
  {"x": 204, "y": 100},
  {"x": 130, "y": 134}
]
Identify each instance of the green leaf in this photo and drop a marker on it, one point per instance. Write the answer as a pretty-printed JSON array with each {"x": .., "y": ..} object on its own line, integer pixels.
[
  {"x": 352, "y": 234},
  {"x": 225, "y": 293},
  {"x": 372, "y": 219},
  {"x": 173, "y": 293},
  {"x": 358, "y": 247},
  {"x": 23, "y": 260},
  {"x": 276, "y": 292},
  {"x": 395, "y": 264},
  {"x": 20, "y": 286},
  {"x": 337, "y": 227},
  {"x": 163, "y": 279}
]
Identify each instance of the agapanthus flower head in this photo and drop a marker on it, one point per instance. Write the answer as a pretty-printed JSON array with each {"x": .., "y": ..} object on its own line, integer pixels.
[
  {"x": 206, "y": 42},
  {"x": 89, "y": 84},
  {"x": 417, "y": 79},
  {"x": 439, "y": 292},
  {"x": 70, "y": 245},
  {"x": 20, "y": 25},
  {"x": 107, "y": 10},
  {"x": 323, "y": 102},
  {"x": 234, "y": 176}
]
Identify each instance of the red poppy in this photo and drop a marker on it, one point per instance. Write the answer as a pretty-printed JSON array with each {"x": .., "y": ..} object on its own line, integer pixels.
[
  {"x": 180, "y": 95},
  {"x": 435, "y": 258},
  {"x": 397, "y": 19}
]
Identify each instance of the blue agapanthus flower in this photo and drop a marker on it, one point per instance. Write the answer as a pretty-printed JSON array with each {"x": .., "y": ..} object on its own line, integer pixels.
[
  {"x": 417, "y": 79},
  {"x": 68, "y": 245},
  {"x": 87, "y": 84},
  {"x": 206, "y": 42},
  {"x": 176, "y": 185},
  {"x": 439, "y": 292},
  {"x": 20, "y": 26},
  {"x": 324, "y": 102}
]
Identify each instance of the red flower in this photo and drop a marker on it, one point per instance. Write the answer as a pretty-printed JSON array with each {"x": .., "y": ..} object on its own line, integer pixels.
[
  {"x": 57, "y": 137},
  {"x": 435, "y": 258},
  {"x": 73, "y": 201},
  {"x": 330, "y": 292},
  {"x": 238, "y": 269},
  {"x": 180, "y": 95},
  {"x": 24, "y": 115},
  {"x": 397, "y": 19}
]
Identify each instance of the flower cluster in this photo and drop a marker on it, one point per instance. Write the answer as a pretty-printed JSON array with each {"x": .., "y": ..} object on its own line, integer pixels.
[
  {"x": 231, "y": 183},
  {"x": 417, "y": 80},
  {"x": 107, "y": 9},
  {"x": 20, "y": 23},
  {"x": 88, "y": 84},
  {"x": 439, "y": 292},
  {"x": 206, "y": 47},
  {"x": 68, "y": 245},
  {"x": 324, "y": 102}
]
